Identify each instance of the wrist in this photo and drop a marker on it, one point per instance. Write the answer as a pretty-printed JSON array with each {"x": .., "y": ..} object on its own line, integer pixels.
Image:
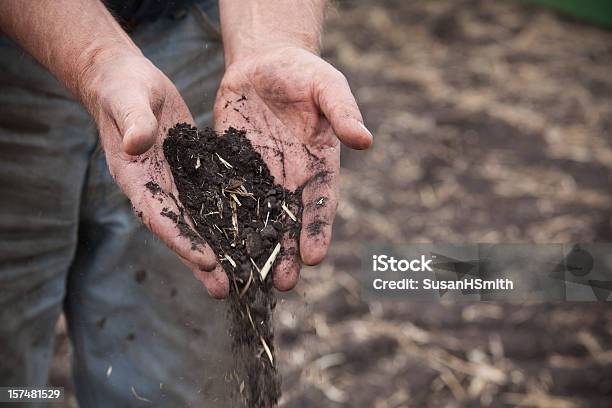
[
  {"x": 255, "y": 26},
  {"x": 247, "y": 50},
  {"x": 249, "y": 43}
]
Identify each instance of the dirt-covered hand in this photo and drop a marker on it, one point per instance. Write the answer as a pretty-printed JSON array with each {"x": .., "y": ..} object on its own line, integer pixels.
[
  {"x": 295, "y": 108},
  {"x": 134, "y": 104}
]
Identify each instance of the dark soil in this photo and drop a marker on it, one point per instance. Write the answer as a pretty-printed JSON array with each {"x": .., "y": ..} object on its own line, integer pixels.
[{"x": 232, "y": 201}]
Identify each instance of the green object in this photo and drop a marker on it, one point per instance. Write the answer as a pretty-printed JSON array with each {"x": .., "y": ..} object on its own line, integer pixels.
[{"x": 595, "y": 11}]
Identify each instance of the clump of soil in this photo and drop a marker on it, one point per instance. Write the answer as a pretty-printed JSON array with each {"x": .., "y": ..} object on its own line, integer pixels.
[{"x": 233, "y": 202}]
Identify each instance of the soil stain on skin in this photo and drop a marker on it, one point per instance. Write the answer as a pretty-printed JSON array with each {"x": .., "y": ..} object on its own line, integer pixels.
[
  {"x": 315, "y": 227},
  {"x": 184, "y": 229},
  {"x": 234, "y": 203},
  {"x": 153, "y": 187}
]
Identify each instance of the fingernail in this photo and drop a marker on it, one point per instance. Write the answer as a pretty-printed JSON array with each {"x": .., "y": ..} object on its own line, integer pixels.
[{"x": 365, "y": 128}]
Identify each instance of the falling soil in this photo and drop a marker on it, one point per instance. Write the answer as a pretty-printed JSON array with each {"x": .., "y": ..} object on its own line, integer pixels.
[{"x": 232, "y": 201}]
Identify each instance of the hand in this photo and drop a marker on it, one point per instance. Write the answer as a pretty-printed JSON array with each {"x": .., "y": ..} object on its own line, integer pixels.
[
  {"x": 134, "y": 104},
  {"x": 291, "y": 101}
]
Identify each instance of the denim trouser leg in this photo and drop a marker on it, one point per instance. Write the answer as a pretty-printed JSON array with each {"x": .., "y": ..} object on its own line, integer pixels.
[
  {"x": 68, "y": 235},
  {"x": 45, "y": 142}
]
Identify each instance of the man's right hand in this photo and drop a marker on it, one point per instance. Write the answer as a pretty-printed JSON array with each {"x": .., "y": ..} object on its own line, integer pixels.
[{"x": 134, "y": 104}]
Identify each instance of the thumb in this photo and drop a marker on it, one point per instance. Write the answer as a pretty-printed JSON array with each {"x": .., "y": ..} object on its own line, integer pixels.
[
  {"x": 136, "y": 122},
  {"x": 337, "y": 103}
]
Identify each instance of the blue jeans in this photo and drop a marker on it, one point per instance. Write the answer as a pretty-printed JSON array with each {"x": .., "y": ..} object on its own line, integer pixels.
[{"x": 139, "y": 322}]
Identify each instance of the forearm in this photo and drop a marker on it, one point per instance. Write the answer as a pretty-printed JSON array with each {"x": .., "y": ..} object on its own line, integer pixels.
[
  {"x": 68, "y": 37},
  {"x": 251, "y": 26}
]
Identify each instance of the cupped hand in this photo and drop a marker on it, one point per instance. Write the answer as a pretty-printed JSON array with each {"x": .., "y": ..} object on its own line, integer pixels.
[
  {"x": 134, "y": 104},
  {"x": 296, "y": 108}
]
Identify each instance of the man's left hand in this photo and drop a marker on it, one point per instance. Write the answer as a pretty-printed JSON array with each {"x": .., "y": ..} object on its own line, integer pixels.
[{"x": 292, "y": 102}]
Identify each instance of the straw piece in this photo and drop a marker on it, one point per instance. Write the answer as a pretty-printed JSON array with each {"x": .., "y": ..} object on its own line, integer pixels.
[
  {"x": 225, "y": 163},
  {"x": 268, "y": 265},
  {"x": 250, "y": 318},
  {"x": 288, "y": 211},
  {"x": 255, "y": 265},
  {"x": 233, "y": 195},
  {"x": 248, "y": 284},
  {"x": 234, "y": 218},
  {"x": 268, "y": 352},
  {"x": 138, "y": 397},
  {"x": 229, "y": 258}
]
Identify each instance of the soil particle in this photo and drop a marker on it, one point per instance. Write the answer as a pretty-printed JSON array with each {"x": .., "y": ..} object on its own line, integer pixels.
[
  {"x": 254, "y": 245},
  {"x": 101, "y": 323},
  {"x": 230, "y": 195},
  {"x": 269, "y": 232},
  {"x": 140, "y": 276}
]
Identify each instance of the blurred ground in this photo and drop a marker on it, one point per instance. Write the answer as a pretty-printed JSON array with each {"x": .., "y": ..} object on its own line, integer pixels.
[{"x": 493, "y": 123}]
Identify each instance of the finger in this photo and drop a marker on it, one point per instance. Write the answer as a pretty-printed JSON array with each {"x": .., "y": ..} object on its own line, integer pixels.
[
  {"x": 320, "y": 198},
  {"x": 287, "y": 270},
  {"x": 216, "y": 281},
  {"x": 134, "y": 117},
  {"x": 161, "y": 214},
  {"x": 336, "y": 101}
]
